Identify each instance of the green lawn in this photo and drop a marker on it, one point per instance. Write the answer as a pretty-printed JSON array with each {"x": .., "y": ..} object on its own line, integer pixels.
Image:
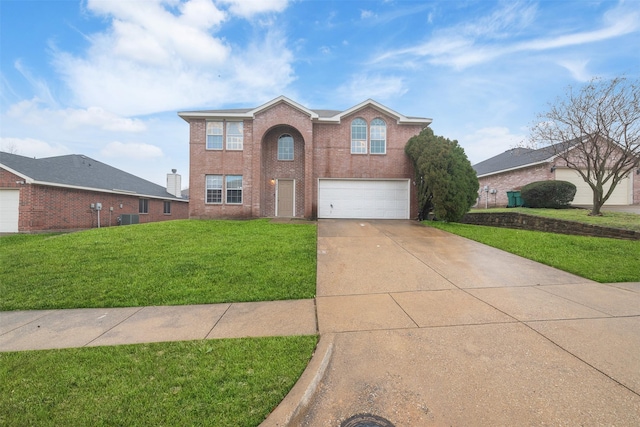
[
  {"x": 627, "y": 221},
  {"x": 193, "y": 383},
  {"x": 596, "y": 258},
  {"x": 162, "y": 263}
]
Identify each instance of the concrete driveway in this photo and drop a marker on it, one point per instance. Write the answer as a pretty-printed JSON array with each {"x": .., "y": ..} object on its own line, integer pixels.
[{"x": 423, "y": 328}]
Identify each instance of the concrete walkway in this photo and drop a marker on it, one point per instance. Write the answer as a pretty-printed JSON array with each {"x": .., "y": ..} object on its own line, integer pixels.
[{"x": 417, "y": 326}]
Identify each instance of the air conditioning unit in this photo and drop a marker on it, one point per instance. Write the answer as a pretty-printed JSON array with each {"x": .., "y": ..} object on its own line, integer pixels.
[{"x": 128, "y": 219}]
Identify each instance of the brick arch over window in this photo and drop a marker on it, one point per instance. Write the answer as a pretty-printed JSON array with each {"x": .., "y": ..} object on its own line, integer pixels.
[{"x": 274, "y": 169}]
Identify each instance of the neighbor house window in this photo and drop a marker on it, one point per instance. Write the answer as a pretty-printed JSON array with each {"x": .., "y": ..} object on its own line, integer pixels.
[
  {"x": 234, "y": 136},
  {"x": 234, "y": 189},
  {"x": 213, "y": 189},
  {"x": 214, "y": 135},
  {"x": 358, "y": 137},
  {"x": 143, "y": 206},
  {"x": 285, "y": 147},
  {"x": 167, "y": 207},
  {"x": 378, "y": 137}
]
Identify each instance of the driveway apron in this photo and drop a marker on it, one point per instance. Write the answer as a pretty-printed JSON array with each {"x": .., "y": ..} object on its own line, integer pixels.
[{"x": 428, "y": 328}]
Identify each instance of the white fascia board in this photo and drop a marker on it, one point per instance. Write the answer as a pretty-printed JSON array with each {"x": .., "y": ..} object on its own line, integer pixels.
[
  {"x": 213, "y": 115},
  {"x": 528, "y": 165},
  {"x": 27, "y": 179},
  {"x": 400, "y": 119},
  {"x": 102, "y": 190},
  {"x": 286, "y": 100}
]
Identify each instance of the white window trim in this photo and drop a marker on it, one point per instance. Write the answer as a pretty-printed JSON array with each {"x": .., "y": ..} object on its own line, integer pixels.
[
  {"x": 227, "y": 138},
  {"x": 362, "y": 142},
  {"x": 293, "y": 145},
  {"x": 226, "y": 190},
  {"x": 206, "y": 189},
  {"x": 371, "y": 139}
]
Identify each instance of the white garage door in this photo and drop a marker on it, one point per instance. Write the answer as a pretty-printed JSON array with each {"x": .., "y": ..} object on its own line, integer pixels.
[
  {"x": 584, "y": 194},
  {"x": 9, "y": 205},
  {"x": 363, "y": 198}
]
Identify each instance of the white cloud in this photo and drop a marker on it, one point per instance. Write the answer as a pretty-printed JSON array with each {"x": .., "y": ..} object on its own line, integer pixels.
[
  {"x": 154, "y": 57},
  {"x": 487, "y": 142},
  {"x": 248, "y": 8},
  {"x": 32, "y": 112},
  {"x": 378, "y": 87},
  {"x": 577, "y": 68},
  {"x": 131, "y": 150},
  {"x": 366, "y": 14},
  {"x": 482, "y": 41},
  {"x": 30, "y": 147}
]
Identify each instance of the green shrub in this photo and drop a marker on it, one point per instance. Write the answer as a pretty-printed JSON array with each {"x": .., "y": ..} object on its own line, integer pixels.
[{"x": 548, "y": 194}]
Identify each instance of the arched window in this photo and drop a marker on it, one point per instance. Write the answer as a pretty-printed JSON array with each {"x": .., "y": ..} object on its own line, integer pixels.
[
  {"x": 358, "y": 137},
  {"x": 378, "y": 136},
  {"x": 285, "y": 147}
]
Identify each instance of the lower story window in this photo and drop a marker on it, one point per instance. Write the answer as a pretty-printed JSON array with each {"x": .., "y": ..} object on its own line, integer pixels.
[
  {"x": 234, "y": 189},
  {"x": 213, "y": 189},
  {"x": 167, "y": 208},
  {"x": 143, "y": 206}
]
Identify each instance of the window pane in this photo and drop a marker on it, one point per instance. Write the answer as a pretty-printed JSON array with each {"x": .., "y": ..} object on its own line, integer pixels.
[
  {"x": 214, "y": 189},
  {"x": 234, "y": 189},
  {"x": 143, "y": 206},
  {"x": 167, "y": 208},
  {"x": 378, "y": 137},
  {"x": 359, "y": 136},
  {"x": 234, "y": 136},
  {"x": 214, "y": 135},
  {"x": 285, "y": 147}
]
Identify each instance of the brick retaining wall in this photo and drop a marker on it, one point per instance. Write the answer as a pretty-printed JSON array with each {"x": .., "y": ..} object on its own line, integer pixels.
[{"x": 537, "y": 223}]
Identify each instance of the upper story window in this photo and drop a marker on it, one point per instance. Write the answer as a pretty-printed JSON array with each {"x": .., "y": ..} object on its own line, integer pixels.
[
  {"x": 214, "y": 135},
  {"x": 234, "y": 136},
  {"x": 378, "y": 136},
  {"x": 285, "y": 147},
  {"x": 358, "y": 136}
]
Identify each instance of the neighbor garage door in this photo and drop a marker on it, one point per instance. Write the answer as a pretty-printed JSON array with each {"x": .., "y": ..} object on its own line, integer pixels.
[
  {"x": 363, "y": 198},
  {"x": 584, "y": 194},
  {"x": 9, "y": 205}
]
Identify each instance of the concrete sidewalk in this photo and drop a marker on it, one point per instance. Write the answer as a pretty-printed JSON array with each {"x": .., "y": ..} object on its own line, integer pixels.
[
  {"x": 423, "y": 328},
  {"x": 47, "y": 329}
]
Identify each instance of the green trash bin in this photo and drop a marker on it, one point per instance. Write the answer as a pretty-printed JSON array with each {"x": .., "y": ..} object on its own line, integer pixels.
[
  {"x": 517, "y": 198},
  {"x": 512, "y": 199}
]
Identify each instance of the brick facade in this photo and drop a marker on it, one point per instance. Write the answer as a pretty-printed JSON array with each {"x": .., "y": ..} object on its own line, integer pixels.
[
  {"x": 509, "y": 181},
  {"x": 322, "y": 149},
  {"x": 53, "y": 208},
  {"x": 516, "y": 179}
]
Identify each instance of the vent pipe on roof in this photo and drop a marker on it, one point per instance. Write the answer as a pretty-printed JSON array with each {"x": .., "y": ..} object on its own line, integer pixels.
[{"x": 174, "y": 183}]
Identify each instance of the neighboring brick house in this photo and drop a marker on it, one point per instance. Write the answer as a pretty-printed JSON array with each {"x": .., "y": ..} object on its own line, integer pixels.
[
  {"x": 517, "y": 167},
  {"x": 284, "y": 160},
  {"x": 67, "y": 192}
]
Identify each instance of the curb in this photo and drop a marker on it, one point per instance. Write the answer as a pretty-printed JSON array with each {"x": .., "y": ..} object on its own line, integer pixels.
[{"x": 295, "y": 403}]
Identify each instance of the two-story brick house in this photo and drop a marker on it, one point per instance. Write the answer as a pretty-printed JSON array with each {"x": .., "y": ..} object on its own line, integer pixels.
[{"x": 285, "y": 160}]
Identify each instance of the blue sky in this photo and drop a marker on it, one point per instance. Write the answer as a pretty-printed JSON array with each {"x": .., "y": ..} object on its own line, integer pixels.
[{"x": 106, "y": 78}]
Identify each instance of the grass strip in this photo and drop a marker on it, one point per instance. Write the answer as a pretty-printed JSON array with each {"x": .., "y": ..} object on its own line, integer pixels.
[
  {"x": 163, "y": 263},
  {"x": 600, "y": 259},
  {"x": 234, "y": 382}
]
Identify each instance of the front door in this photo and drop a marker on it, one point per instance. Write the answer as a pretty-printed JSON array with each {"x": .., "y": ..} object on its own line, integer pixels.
[{"x": 285, "y": 204}]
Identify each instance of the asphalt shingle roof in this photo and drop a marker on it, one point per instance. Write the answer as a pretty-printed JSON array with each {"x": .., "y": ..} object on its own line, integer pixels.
[{"x": 76, "y": 170}]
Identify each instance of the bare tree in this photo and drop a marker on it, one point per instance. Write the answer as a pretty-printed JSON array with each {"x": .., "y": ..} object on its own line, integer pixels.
[{"x": 596, "y": 132}]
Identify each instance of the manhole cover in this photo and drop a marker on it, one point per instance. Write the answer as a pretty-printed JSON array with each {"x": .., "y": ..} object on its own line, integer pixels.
[{"x": 366, "y": 420}]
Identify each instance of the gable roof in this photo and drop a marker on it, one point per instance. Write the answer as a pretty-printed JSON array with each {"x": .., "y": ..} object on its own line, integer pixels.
[
  {"x": 327, "y": 116},
  {"x": 521, "y": 157},
  {"x": 81, "y": 172}
]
